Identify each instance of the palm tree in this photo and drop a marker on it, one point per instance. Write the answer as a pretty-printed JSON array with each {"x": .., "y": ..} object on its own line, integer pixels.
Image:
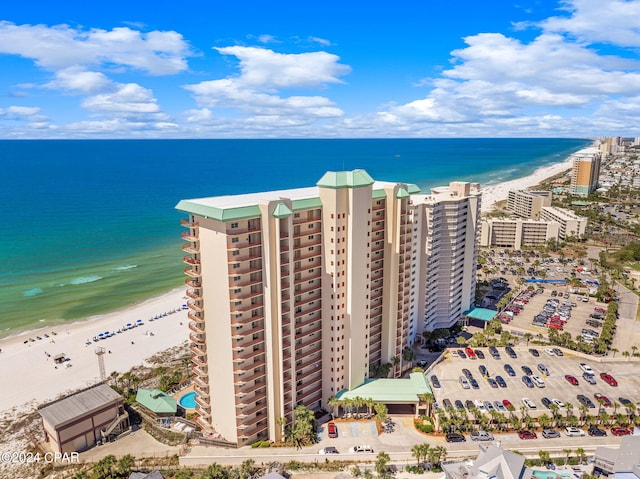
[
  {"x": 567, "y": 452},
  {"x": 581, "y": 454},
  {"x": 569, "y": 407},
  {"x": 555, "y": 412},
  {"x": 429, "y": 399},
  {"x": 626, "y": 354},
  {"x": 584, "y": 410},
  {"x": 545, "y": 457},
  {"x": 528, "y": 337},
  {"x": 420, "y": 451},
  {"x": 382, "y": 463},
  {"x": 334, "y": 403}
]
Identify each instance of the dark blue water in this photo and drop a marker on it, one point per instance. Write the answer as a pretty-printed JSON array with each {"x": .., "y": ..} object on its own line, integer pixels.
[{"x": 87, "y": 227}]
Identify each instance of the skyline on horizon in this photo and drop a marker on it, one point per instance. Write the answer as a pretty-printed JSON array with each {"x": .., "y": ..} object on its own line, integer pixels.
[{"x": 567, "y": 68}]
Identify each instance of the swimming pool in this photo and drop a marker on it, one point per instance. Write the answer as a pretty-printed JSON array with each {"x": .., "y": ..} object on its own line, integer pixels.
[{"x": 188, "y": 401}]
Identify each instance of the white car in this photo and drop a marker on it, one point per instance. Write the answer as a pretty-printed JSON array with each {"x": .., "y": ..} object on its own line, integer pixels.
[
  {"x": 480, "y": 405},
  {"x": 361, "y": 449},
  {"x": 538, "y": 381},
  {"x": 529, "y": 403},
  {"x": 586, "y": 368},
  {"x": 557, "y": 402},
  {"x": 464, "y": 383},
  {"x": 549, "y": 351},
  {"x": 574, "y": 431},
  {"x": 328, "y": 450}
]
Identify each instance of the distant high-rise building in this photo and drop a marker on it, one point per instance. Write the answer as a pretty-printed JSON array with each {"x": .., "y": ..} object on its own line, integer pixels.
[
  {"x": 528, "y": 203},
  {"x": 585, "y": 171},
  {"x": 296, "y": 295}
]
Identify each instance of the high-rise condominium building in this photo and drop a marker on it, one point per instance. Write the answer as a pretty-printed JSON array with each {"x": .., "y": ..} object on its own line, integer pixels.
[
  {"x": 296, "y": 295},
  {"x": 585, "y": 171}
]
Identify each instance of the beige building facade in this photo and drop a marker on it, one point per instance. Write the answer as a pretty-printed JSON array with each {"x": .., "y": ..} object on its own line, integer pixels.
[
  {"x": 528, "y": 203},
  {"x": 517, "y": 233},
  {"x": 571, "y": 225},
  {"x": 296, "y": 295}
]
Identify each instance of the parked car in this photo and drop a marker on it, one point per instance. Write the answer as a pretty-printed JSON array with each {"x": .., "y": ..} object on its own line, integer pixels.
[
  {"x": 525, "y": 434},
  {"x": 527, "y": 370},
  {"x": 604, "y": 400},
  {"x": 586, "y": 368},
  {"x": 332, "y": 430},
  {"x": 590, "y": 378},
  {"x": 501, "y": 382},
  {"x": 509, "y": 370},
  {"x": 499, "y": 406},
  {"x": 529, "y": 403},
  {"x": 534, "y": 352},
  {"x": 455, "y": 437},
  {"x": 328, "y": 450},
  {"x": 464, "y": 383},
  {"x": 494, "y": 352},
  {"x": 474, "y": 383},
  {"x": 458, "y": 404},
  {"x": 573, "y": 431},
  {"x": 596, "y": 431},
  {"x": 481, "y": 436},
  {"x": 507, "y": 404},
  {"x": 361, "y": 449},
  {"x": 550, "y": 433},
  {"x": 582, "y": 399},
  {"x": 609, "y": 379},
  {"x": 479, "y": 353},
  {"x": 546, "y": 402},
  {"x": 527, "y": 381},
  {"x": 435, "y": 382},
  {"x": 461, "y": 354},
  {"x": 620, "y": 431},
  {"x": 626, "y": 402},
  {"x": 446, "y": 403},
  {"x": 557, "y": 402},
  {"x": 509, "y": 350},
  {"x": 572, "y": 379},
  {"x": 549, "y": 351},
  {"x": 483, "y": 370},
  {"x": 558, "y": 352},
  {"x": 538, "y": 381},
  {"x": 543, "y": 369},
  {"x": 492, "y": 382}
]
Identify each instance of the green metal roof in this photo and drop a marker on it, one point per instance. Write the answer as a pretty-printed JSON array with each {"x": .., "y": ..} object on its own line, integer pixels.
[
  {"x": 482, "y": 314},
  {"x": 391, "y": 391},
  {"x": 345, "y": 179},
  {"x": 402, "y": 194},
  {"x": 219, "y": 214},
  {"x": 413, "y": 189},
  {"x": 306, "y": 204},
  {"x": 157, "y": 401},
  {"x": 281, "y": 211}
]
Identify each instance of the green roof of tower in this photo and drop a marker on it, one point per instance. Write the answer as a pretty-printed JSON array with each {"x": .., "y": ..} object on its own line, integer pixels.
[
  {"x": 281, "y": 211},
  {"x": 402, "y": 194},
  {"x": 345, "y": 179}
]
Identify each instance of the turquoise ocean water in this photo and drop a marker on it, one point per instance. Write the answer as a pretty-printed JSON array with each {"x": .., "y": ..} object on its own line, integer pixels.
[{"x": 87, "y": 227}]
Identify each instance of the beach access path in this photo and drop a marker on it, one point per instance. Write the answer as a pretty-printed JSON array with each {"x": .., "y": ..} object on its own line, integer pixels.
[{"x": 31, "y": 376}]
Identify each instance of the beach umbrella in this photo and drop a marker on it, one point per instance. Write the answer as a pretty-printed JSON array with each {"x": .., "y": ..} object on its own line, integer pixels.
[
  {"x": 129, "y": 325},
  {"x": 100, "y": 335}
]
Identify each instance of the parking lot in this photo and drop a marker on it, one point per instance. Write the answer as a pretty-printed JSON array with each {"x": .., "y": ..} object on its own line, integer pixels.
[
  {"x": 580, "y": 312},
  {"x": 556, "y": 386}
]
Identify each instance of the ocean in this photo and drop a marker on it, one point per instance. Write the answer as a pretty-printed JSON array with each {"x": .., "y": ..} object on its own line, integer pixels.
[{"x": 89, "y": 226}]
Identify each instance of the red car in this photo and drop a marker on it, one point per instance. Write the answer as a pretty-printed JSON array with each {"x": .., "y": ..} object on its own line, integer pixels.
[
  {"x": 602, "y": 398},
  {"x": 620, "y": 431},
  {"x": 609, "y": 379},
  {"x": 333, "y": 429},
  {"x": 507, "y": 404},
  {"x": 470, "y": 352},
  {"x": 572, "y": 379},
  {"x": 524, "y": 434}
]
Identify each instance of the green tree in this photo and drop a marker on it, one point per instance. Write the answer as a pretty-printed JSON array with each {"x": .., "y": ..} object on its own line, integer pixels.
[
  {"x": 125, "y": 464},
  {"x": 334, "y": 405},
  {"x": 104, "y": 468},
  {"x": 215, "y": 471},
  {"x": 382, "y": 463}
]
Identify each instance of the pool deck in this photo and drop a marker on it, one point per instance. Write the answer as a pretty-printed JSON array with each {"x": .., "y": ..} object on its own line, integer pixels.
[{"x": 179, "y": 394}]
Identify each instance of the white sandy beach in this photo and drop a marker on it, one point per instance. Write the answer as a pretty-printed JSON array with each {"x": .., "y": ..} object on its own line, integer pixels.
[
  {"x": 29, "y": 373},
  {"x": 499, "y": 192},
  {"x": 30, "y": 377}
]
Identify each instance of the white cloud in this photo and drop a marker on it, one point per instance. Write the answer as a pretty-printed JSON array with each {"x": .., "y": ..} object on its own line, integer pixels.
[
  {"x": 264, "y": 68},
  {"x": 130, "y": 98},
  {"x": 598, "y": 21},
  {"x": 59, "y": 47},
  {"x": 263, "y": 73},
  {"x": 76, "y": 79}
]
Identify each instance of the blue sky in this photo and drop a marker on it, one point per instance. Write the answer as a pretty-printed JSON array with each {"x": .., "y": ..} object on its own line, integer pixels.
[{"x": 279, "y": 69}]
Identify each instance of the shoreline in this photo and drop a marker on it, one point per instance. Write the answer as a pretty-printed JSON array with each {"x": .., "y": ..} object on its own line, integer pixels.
[
  {"x": 35, "y": 378},
  {"x": 491, "y": 194}
]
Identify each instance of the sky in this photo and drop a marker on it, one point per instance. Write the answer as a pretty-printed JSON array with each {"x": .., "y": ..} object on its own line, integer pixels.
[{"x": 331, "y": 69}]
